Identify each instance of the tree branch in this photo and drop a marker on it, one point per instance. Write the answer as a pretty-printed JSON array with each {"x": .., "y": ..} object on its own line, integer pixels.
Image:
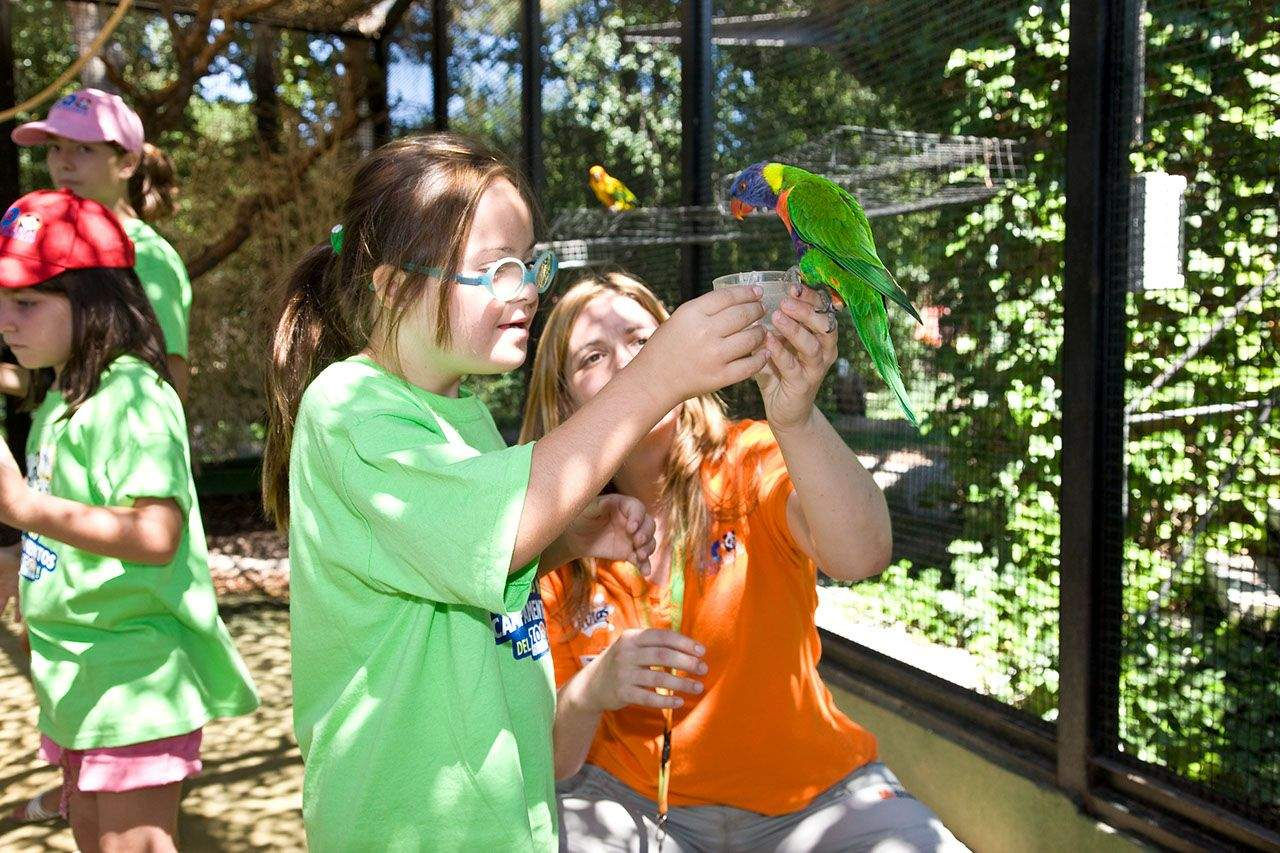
[{"x": 249, "y": 207}]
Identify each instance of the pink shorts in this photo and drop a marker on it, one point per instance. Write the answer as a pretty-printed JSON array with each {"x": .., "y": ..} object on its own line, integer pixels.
[{"x": 117, "y": 769}]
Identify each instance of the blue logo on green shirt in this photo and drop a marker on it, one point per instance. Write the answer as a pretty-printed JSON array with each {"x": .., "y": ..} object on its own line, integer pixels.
[{"x": 525, "y": 629}]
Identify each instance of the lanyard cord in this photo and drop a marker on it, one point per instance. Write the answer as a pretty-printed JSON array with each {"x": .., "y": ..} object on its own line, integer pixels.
[{"x": 675, "y": 610}]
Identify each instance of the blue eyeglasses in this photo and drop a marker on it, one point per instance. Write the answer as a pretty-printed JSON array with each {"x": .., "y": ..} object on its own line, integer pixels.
[{"x": 505, "y": 278}]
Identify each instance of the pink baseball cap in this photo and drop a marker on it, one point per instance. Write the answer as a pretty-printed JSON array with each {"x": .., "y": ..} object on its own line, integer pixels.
[{"x": 89, "y": 115}]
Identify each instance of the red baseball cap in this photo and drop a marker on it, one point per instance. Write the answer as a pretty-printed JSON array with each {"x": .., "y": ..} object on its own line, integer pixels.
[{"x": 47, "y": 232}]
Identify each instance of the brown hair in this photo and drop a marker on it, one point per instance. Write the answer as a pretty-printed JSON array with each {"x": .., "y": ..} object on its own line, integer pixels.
[
  {"x": 110, "y": 317},
  {"x": 701, "y": 426},
  {"x": 153, "y": 186},
  {"x": 411, "y": 203}
]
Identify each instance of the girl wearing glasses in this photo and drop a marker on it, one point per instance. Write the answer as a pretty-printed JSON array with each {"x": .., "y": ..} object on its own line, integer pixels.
[
  {"x": 693, "y": 694},
  {"x": 423, "y": 691}
]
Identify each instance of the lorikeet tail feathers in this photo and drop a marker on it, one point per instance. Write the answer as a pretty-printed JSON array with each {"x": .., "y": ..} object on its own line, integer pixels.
[{"x": 873, "y": 328}]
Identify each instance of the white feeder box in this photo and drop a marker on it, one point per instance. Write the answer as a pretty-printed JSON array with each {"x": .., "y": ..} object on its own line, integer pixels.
[{"x": 1156, "y": 232}]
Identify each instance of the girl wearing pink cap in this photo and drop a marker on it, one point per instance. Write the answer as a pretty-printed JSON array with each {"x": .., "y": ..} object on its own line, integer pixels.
[
  {"x": 95, "y": 148},
  {"x": 128, "y": 656}
]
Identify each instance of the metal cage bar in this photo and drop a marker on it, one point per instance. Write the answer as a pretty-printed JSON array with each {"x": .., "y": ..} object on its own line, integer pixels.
[
  {"x": 696, "y": 126},
  {"x": 1099, "y": 127}
]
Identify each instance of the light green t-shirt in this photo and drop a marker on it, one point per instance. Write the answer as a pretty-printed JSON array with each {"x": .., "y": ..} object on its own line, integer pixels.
[
  {"x": 122, "y": 652},
  {"x": 423, "y": 690},
  {"x": 164, "y": 278}
]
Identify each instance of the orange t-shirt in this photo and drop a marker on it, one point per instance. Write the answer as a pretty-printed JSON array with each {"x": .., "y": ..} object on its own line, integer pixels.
[{"x": 765, "y": 734}]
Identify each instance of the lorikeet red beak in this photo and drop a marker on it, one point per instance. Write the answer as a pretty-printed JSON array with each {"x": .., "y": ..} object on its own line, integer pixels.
[{"x": 739, "y": 208}]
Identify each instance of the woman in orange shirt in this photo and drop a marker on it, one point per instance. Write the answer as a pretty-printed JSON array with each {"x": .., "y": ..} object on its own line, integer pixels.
[{"x": 761, "y": 757}]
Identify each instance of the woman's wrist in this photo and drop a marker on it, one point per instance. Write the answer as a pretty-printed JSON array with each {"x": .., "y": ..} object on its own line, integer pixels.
[{"x": 805, "y": 424}]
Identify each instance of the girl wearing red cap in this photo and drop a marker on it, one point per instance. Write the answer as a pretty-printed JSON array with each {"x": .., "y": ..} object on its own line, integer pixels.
[
  {"x": 95, "y": 148},
  {"x": 128, "y": 656}
]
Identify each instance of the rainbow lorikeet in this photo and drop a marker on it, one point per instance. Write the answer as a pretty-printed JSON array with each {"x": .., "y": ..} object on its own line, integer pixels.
[
  {"x": 612, "y": 192},
  {"x": 833, "y": 242}
]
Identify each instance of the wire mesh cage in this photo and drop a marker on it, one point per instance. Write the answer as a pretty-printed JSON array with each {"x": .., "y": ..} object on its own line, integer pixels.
[
  {"x": 899, "y": 171},
  {"x": 1199, "y": 636}
]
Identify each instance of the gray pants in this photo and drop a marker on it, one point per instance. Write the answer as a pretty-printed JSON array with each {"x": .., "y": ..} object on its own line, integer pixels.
[{"x": 868, "y": 810}]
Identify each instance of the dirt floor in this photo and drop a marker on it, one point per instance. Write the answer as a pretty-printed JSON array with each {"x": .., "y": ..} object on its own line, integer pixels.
[{"x": 249, "y": 795}]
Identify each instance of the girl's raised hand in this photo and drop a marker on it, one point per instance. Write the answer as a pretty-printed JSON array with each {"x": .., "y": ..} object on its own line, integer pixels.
[
  {"x": 801, "y": 349},
  {"x": 624, "y": 673},
  {"x": 709, "y": 343},
  {"x": 612, "y": 527}
]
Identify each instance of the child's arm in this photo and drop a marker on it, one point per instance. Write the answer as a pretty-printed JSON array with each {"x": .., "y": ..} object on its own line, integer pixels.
[
  {"x": 707, "y": 344},
  {"x": 14, "y": 380},
  {"x": 148, "y": 532}
]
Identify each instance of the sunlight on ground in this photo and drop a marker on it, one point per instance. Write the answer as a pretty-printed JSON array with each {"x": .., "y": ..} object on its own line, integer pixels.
[{"x": 249, "y": 795}]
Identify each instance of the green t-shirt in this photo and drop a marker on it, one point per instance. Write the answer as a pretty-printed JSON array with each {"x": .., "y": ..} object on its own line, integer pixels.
[
  {"x": 121, "y": 652},
  {"x": 423, "y": 689},
  {"x": 164, "y": 278}
]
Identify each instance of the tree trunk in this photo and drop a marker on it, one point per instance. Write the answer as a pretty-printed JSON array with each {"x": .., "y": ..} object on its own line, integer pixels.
[{"x": 85, "y": 23}]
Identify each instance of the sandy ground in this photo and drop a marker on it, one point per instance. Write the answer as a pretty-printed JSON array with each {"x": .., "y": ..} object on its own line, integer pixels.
[{"x": 249, "y": 795}]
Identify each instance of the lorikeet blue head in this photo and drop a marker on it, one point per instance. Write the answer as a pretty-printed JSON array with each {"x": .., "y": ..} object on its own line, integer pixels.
[{"x": 752, "y": 189}]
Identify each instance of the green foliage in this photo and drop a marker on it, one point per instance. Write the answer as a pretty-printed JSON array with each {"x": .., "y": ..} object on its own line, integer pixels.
[{"x": 1198, "y": 689}]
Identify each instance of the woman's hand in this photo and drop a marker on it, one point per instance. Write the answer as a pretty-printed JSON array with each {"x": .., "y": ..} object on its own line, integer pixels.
[
  {"x": 625, "y": 674},
  {"x": 802, "y": 349},
  {"x": 612, "y": 527},
  {"x": 13, "y": 486}
]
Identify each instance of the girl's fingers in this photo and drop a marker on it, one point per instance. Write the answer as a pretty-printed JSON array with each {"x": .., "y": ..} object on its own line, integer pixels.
[
  {"x": 734, "y": 319},
  {"x": 745, "y": 367},
  {"x": 743, "y": 343},
  {"x": 718, "y": 300}
]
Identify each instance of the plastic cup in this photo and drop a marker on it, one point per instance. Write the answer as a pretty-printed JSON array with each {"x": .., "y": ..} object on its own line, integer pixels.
[{"x": 775, "y": 284}]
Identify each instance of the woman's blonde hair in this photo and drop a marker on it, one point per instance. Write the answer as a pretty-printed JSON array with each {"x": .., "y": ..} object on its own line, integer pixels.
[
  {"x": 700, "y": 433},
  {"x": 411, "y": 203}
]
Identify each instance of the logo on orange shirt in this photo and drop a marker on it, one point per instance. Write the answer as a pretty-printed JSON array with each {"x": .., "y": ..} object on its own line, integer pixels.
[{"x": 724, "y": 551}]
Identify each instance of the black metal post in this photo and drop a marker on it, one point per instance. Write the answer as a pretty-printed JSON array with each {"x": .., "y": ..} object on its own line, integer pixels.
[
  {"x": 1100, "y": 116},
  {"x": 531, "y": 94},
  {"x": 696, "y": 119},
  {"x": 377, "y": 92},
  {"x": 440, "y": 63}
]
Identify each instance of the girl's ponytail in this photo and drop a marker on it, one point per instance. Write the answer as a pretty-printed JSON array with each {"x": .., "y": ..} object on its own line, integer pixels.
[
  {"x": 307, "y": 338},
  {"x": 153, "y": 187}
]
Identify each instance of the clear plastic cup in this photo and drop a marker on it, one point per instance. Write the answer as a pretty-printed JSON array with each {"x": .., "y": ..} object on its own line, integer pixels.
[{"x": 775, "y": 284}]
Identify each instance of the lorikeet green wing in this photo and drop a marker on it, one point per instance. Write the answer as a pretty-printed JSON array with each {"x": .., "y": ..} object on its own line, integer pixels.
[
  {"x": 867, "y": 309},
  {"x": 823, "y": 214}
]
